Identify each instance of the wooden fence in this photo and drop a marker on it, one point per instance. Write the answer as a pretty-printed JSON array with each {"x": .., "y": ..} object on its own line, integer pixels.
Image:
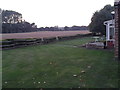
[{"x": 15, "y": 43}]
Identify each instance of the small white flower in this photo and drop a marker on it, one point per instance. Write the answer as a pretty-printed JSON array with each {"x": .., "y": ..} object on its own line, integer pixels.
[
  {"x": 38, "y": 82},
  {"x": 89, "y": 66},
  {"x": 44, "y": 82},
  {"x": 75, "y": 75},
  {"x": 6, "y": 82},
  {"x": 83, "y": 71}
]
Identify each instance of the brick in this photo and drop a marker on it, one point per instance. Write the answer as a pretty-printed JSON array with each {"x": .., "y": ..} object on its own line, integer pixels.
[{"x": 117, "y": 30}]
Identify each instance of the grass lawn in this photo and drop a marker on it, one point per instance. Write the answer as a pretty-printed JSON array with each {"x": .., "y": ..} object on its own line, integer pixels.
[{"x": 53, "y": 66}]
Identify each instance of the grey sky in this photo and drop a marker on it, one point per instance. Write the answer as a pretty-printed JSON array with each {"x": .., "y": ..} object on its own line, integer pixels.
[{"x": 56, "y": 12}]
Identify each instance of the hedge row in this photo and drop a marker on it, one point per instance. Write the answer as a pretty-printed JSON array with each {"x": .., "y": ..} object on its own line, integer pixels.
[{"x": 13, "y": 43}]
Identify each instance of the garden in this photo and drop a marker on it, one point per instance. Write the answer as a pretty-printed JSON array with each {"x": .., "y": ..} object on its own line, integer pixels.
[{"x": 59, "y": 65}]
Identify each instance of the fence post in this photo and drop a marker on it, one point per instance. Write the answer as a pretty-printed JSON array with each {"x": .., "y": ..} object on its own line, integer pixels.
[
  {"x": 42, "y": 39},
  {"x": 57, "y": 38}
]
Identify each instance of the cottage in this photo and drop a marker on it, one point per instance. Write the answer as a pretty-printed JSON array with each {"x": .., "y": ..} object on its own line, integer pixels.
[{"x": 113, "y": 31}]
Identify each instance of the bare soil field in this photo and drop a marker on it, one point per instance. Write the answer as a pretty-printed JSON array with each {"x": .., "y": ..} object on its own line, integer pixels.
[{"x": 41, "y": 34}]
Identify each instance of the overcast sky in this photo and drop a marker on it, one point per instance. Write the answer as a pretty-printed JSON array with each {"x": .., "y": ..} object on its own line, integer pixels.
[{"x": 56, "y": 12}]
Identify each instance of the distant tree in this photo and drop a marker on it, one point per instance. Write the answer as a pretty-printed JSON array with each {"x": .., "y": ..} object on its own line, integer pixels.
[
  {"x": 51, "y": 28},
  {"x": 46, "y": 28},
  {"x": 33, "y": 25},
  {"x": 66, "y": 28},
  {"x": 41, "y": 29},
  {"x": 75, "y": 27},
  {"x": 12, "y": 23},
  {"x": 97, "y": 20},
  {"x": 56, "y": 28},
  {"x": 11, "y": 16}
]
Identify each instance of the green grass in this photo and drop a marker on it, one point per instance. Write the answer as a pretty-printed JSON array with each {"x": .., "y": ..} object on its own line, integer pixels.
[{"x": 53, "y": 66}]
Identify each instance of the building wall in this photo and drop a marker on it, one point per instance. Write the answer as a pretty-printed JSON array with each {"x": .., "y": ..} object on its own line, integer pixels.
[{"x": 117, "y": 30}]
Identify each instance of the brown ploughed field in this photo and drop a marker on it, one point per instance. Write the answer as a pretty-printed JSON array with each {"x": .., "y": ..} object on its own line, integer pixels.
[{"x": 42, "y": 34}]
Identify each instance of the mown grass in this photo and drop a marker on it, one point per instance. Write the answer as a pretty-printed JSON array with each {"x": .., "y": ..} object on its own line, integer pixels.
[{"x": 53, "y": 66}]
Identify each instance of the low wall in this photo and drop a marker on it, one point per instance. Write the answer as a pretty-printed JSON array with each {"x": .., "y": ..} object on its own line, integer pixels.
[{"x": 15, "y": 43}]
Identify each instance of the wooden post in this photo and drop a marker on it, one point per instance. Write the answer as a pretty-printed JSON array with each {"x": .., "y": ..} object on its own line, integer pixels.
[
  {"x": 42, "y": 39},
  {"x": 57, "y": 38}
]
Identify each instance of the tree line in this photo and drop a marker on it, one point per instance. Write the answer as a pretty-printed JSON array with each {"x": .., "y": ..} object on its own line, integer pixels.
[
  {"x": 66, "y": 28},
  {"x": 12, "y": 22},
  {"x": 17, "y": 28}
]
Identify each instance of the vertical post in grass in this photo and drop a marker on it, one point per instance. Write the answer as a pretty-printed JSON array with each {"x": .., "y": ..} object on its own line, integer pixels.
[
  {"x": 57, "y": 38},
  {"x": 117, "y": 29},
  {"x": 42, "y": 39}
]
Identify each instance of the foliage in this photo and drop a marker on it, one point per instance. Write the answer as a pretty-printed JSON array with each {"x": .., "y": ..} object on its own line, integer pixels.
[
  {"x": 13, "y": 23},
  {"x": 17, "y": 28},
  {"x": 97, "y": 20},
  {"x": 9, "y": 16}
]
